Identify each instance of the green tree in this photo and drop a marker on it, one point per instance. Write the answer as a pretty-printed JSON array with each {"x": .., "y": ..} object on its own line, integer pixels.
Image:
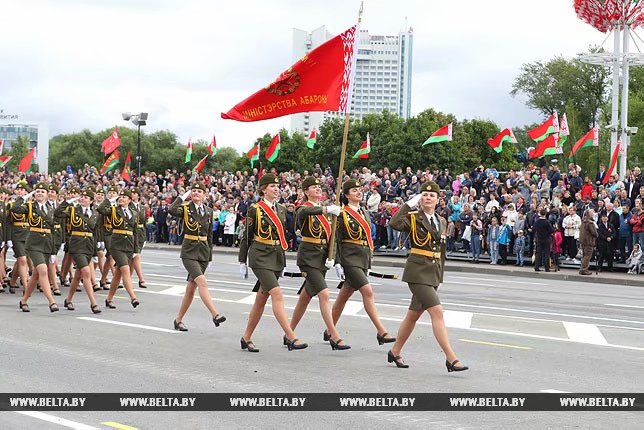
[{"x": 18, "y": 151}]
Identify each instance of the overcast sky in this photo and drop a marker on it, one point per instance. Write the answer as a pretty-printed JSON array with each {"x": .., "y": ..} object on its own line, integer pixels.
[{"x": 79, "y": 63}]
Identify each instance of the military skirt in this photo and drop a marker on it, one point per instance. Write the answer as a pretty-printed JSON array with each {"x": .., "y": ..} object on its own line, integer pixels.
[
  {"x": 121, "y": 258},
  {"x": 354, "y": 277},
  {"x": 423, "y": 297},
  {"x": 266, "y": 279},
  {"x": 195, "y": 268},
  {"x": 314, "y": 281}
]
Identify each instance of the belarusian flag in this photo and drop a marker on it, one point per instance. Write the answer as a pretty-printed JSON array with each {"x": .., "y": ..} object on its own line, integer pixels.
[
  {"x": 200, "y": 165},
  {"x": 443, "y": 134},
  {"x": 125, "y": 174},
  {"x": 589, "y": 139},
  {"x": 112, "y": 142},
  {"x": 274, "y": 150},
  {"x": 253, "y": 154},
  {"x": 4, "y": 159},
  {"x": 504, "y": 136},
  {"x": 549, "y": 126},
  {"x": 564, "y": 131},
  {"x": 189, "y": 151},
  {"x": 549, "y": 142},
  {"x": 27, "y": 162},
  {"x": 364, "y": 150},
  {"x": 111, "y": 162},
  {"x": 313, "y": 138},
  {"x": 322, "y": 80},
  {"x": 1, "y": 146},
  {"x": 212, "y": 148},
  {"x": 613, "y": 161}
]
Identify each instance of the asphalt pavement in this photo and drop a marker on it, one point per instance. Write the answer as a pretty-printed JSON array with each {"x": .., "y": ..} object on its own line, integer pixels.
[{"x": 519, "y": 333}]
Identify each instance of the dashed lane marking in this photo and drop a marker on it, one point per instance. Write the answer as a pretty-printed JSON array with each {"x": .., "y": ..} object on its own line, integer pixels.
[
  {"x": 146, "y": 327},
  {"x": 118, "y": 425},
  {"x": 585, "y": 333},
  {"x": 623, "y": 306},
  {"x": 480, "y": 342},
  {"x": 554, "y": 391},
  {"x": 56, "y": 420}
]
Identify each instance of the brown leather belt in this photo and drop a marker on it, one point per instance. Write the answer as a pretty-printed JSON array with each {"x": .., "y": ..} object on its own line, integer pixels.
[
  {"x": 313, "y": 240},
  {"x": 267, "y": 241},
  {"x": 356, "y": 242},
  {"x": 430, "y": 254},
  {"x": 40, "y": 230},
  {"x": 125, "y": 232},
  {"x": 20, "y": 224},
  {"x": 82, "y": 233},
  {"x": 197, "y": 238}
]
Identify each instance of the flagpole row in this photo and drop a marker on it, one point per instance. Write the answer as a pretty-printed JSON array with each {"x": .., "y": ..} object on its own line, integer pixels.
[{"x": 338, "y": 185}]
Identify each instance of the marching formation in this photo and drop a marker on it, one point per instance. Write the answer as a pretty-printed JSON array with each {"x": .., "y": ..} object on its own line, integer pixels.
[{"x": 107, "y": 233}]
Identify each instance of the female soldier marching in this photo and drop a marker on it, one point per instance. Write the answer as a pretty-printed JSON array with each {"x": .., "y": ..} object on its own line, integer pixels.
[
  {"x": 4, "y": 193},
  {"x": 196, "y": 250},
  {"x": 123, "y": 222},
  {"x": 355, "y": 248},
  {"x": 139, "y": 236},
  {"x": 424, "y": 271},
  {"x": 263, "y": 244},
  {"x": 82, "y": 222},
  {"x": 311, "y": 259},
  {"x": 17, "y": 229},
  {"x": 39, "y": 244}
]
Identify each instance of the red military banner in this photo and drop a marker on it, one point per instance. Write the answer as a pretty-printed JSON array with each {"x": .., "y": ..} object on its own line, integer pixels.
[{"x": 319, "y": 81}]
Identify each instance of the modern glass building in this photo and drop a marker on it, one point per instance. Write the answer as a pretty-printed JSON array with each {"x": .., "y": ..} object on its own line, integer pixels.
[{"x": 10, "y": 133}]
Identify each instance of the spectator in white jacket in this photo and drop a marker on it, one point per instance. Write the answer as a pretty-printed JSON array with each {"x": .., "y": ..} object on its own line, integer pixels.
[{"x": 571, "y": 224}]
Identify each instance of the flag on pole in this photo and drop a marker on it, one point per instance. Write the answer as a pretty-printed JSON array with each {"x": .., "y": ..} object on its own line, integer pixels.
[
  {"x": 549, "y": 126},
  {"x": 497, "y": 141},
  {"x": 212, "y": 147},
  {"x": 26, "y": 164},
  {"x": 253, "y": 154},
  {"x": 564, "y": 131},
  {"x": 443, "y": 134},
  {"x": 112, "y": 142},
  {"x": 199, "y": 167},
  {"x": 320, "y": 81},
  {"x": 364, "y": 150},
  {"x": 587, "y": 140},
  {"x": 4, "y": 159},
  {"x": 189, "y": 151},
  {"x": 126, "y": 167},
  {"x": 549, "y": 142},
  {"x": 111, "y": 162},
  {"x": 1, "y": 146},
  {"x": 613, "y": 161},
  {"x": 313, "y": 138},
  {"x": 274, "y": 149}
]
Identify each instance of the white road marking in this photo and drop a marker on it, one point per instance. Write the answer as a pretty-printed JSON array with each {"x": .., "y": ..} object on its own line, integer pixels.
[
  {"x": 249, "y": 299},
  {"x": 554, "y": 391},
  {"x": 468, "y": 283},
  {"x": 147, "y": 327},
  {"x": 352, "y": 308},
  {"x": 147, "y": 263},
  {"x": 458, "y": 319},
  {"x": 56, "y": 420},
  {"x": 494, "y": 280},
  {"x": 174, "y": 291},
  {"x": 585, "y": 333},
  {"x": 624, "y": 306}
]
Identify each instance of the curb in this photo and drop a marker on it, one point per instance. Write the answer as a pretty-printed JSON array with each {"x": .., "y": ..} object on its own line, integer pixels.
[{"x": 459, "y": 266}]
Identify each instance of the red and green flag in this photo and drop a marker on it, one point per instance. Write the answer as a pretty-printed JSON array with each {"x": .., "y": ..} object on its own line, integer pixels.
[
  {"x": 274, "y": 149},
  {"x": 564, "y": 131},
  {"x": 111, "y": 162},
  {"x": 364, "y": 150},
  {"x": 1, "y": 146},
  {"x": 443, "y": 134},
  {"x": 212, "y": 147},
  {"x": 505, "y": 136},
  {"x": 200, "y": 165},
  {"x": 112, "y": 142},
  {"x": 613, "y": 161},
  {"x": 26, "y": 164},
  {"x": 587, "y": 140},
  {"x": 547, "y": 143},
  {"x": 253, "y": 154},
  {"x": 189, "y": 151},
  {"x": 125, "y": 174},
  {"x": 4, "y": 159},
  {"x": 313, "y": 138},
  {"x": 549, "y": 126}
]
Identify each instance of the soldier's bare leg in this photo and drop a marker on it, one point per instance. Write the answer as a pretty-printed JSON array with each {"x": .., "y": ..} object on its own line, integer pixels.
[
  {"x": 370, "y": 307},
  {"x": 255, "y": 313},
  {"x": 440, "y": 331},
  {"x": 188, "y": 296},
  {"x": 343, "y": 297}
]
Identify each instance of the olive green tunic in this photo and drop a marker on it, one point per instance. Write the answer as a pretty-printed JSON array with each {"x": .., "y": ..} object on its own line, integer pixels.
[
  {"x": 39, "y": 243},
  {"x": 197, "y": 243}
]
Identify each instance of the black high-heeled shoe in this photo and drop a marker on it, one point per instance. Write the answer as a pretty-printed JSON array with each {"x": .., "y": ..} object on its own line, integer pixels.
[
  {"x": 109, "y": 304},
  {"x": 56, "y": 292},
  {"x": 384, "y": 339},
  {"x": 218, "y": 320},
  {"x": 135, "y": 302},
  {"x": 452, "y": 367},
  {"x": 285, "y": 340},
  {"x": 95, "y": 309},
  {"x": 53, "y": 307},
  {"x": 336, "y": 345},
  {"x": 142, "y": 285},
  {"x": 292, "y": 345},
  {"x": 68, "y": 305},
  {"x": 104, "y": 285},
  {"x": 248, "y": 345},
  {"x": 12, "y": 290},
  {"x": 96, "y": 288},
  {"x": 24, "y": 307},
  {"x": 325, "y": 337},
  {"x": 180, "y": 326},
  {"x": 391, "y": 358}
]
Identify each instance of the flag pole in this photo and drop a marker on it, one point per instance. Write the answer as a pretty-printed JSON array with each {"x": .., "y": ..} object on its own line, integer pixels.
[{"x": 345, "y": 137}]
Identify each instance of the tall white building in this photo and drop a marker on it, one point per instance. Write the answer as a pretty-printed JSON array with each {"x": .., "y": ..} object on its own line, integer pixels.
[{"x": 382, "y": 79}]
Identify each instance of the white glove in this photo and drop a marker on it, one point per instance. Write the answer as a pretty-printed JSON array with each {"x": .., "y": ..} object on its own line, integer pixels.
[
  {"x": 1, "y": 245},
  {"x": 243, "y": 270},
  {"x": 209, "y": 265},
  {"x": 28, "y": 195},
  {"x": 185, "y": 195},
  {"x": 339, "y": 271},
  {"x": 328, "y": 263},
  {"x": 282, "y": 274},
  {"x": 9, "y": 244},
  {"x": 333, "y": 210},
  {"x": 95, "y": 260},
  {"x": 135, "y": 255},
  {"x": 62, "y": 247},
  {"x": 113, "y": 200},
  {"x": 71, "y": 201},
  {"x": 413, "y": 202},
  {"x": 100, "y": 245},
  {"x": 52, "y": 259}
]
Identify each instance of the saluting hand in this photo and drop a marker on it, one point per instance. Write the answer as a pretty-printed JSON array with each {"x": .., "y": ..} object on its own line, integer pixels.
[
  {"x": 413, "y": 202},
  {"x": 72, "y": 200},
  {"x": 333, "y": 210},
  {"x": 185, "y": 195}
]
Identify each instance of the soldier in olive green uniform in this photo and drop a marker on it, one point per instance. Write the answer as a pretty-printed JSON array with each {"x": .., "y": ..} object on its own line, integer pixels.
[
  {"x": 39, "y": 244},
  {"x": 17, "y": 232},
  {"x": 139, "y": 236},
  {"x": 263, "y": 245},
  {"x": 57, "y": 235},
  {"x": 123, "y": 222},
  {"x": 66, "y": 264},
  {"x": 312, "y": 258},
  {"x": 196, "y": 220},
  {"x": 424, "y": 271},
  {"x": 355, "y": 248},
  {"x": 106, "y": 233},
  {"x": 4, "y": 194},
  {"x": 82, "y": 221},
  {"x": 99, "y": 197}
]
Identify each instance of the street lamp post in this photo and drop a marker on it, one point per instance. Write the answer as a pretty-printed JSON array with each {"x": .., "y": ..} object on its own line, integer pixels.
[{"x": 137, "y": 119}]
